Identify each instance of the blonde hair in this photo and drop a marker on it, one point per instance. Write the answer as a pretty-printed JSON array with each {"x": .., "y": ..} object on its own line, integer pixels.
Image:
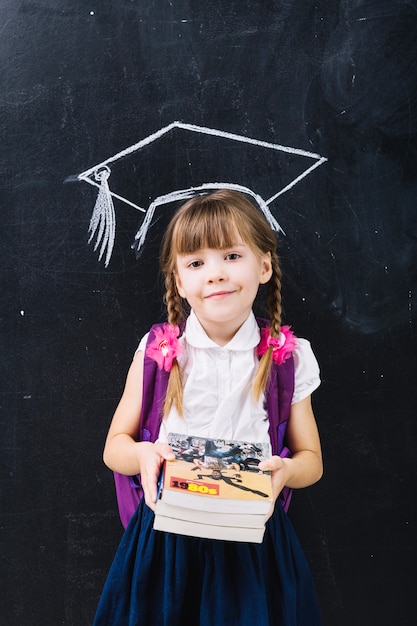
[{"x": 215, "y": 221}]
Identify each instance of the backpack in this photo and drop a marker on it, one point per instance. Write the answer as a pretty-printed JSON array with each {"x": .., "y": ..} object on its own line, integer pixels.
[{"x": 278, "y": 396}]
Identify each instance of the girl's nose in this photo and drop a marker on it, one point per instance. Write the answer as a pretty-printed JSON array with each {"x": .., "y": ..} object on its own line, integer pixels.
[{"x": 216, "y": 272}]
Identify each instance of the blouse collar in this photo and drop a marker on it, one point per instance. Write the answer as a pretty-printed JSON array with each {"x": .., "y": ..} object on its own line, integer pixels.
[{"x": 246, "y": 338}]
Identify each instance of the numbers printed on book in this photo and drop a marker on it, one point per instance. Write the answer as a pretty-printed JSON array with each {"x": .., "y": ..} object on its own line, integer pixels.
[{"x": 206, "y": 489}]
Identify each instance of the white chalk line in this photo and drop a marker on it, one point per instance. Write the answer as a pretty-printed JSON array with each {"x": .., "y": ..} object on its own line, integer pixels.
[
  {"x": 198, "y": 129},
  {"x": 115, "y": 195},
  {"x": 184, "y": 194},
  {"x": 297, "y": 180}
]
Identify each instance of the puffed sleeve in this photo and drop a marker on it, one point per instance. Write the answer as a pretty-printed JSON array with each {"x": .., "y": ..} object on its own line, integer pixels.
[
  {"x": 142, "y": 343},
  {"x": 306, "y": 370}
]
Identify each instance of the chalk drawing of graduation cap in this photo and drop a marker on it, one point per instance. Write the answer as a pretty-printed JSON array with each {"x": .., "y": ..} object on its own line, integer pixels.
[{"x": 182, "y": 160}]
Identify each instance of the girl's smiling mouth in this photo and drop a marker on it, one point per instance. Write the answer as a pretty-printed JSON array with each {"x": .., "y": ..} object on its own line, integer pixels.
[{"x": 218, "y": 295}]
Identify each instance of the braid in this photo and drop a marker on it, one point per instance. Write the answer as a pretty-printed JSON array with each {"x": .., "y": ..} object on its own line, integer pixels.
[
  {"x": 173, "y": 301},
  {"x": 174, "y": 394},
  {"x": 274, "y": 296},
  {"x": 275, "y": 310}
]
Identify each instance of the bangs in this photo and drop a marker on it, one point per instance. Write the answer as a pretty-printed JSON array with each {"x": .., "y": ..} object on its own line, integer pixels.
[
  {"x": 220, "y": 220},
  {"x": 209, "y": 225}
]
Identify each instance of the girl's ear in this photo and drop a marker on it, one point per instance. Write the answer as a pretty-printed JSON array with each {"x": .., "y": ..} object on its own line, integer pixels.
[{"x": 266, "y": 269}]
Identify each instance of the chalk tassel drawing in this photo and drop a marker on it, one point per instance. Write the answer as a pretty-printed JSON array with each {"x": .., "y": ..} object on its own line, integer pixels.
[{"x": 103, "y": 222}]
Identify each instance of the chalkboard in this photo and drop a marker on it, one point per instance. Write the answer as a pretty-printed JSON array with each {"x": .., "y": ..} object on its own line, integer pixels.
[{"x": 83, "y": 81}]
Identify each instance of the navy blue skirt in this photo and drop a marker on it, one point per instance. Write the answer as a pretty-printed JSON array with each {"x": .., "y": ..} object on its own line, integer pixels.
[{"x": 160, "y": 579}]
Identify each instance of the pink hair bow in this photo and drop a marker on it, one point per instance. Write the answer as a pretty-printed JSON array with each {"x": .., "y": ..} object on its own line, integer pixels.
[
  {"x": 165, "y": 347},
  {"x": 282, "y": 346}
]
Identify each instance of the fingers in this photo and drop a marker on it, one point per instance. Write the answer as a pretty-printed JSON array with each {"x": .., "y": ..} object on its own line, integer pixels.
[
  {"x": 275, "y": 465},
  {"x": 165, "y": 451},
  {"x": 150, "y": 491},
  {"x": 272, "y": 464},
  {"x": 151, "y": 469}
]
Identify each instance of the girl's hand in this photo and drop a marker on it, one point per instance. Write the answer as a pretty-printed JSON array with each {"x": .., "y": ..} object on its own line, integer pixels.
[
  {"x": 279, "y": 475},
  {"x": 151, "y": 457},
  {"x": 305, "y": 466}
]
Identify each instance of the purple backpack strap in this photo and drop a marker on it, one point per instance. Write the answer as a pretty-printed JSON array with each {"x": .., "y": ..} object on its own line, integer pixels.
[
  {"x": 278, "y": 394},
  {"x": 278, "y": 400},
  {"x": 129, "y": 490}
]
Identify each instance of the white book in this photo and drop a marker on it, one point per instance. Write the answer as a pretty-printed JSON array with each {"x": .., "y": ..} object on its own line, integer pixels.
[
  {"x": 208, "y": 531},
  {"x": 245, "y": 520}
]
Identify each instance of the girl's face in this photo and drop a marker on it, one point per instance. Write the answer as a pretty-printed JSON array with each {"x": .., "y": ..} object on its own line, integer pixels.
[{"x": 221, "y": 285}]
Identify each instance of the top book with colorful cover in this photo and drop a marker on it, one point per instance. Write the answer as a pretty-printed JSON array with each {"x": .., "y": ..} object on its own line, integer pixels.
[{"x": 217, "y": 475}]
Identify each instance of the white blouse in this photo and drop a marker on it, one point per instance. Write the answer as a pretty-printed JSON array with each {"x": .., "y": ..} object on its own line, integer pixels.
[{"x": 218, "y": 401}]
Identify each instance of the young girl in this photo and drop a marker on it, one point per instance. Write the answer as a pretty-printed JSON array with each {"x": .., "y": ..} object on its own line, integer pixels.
[{"x": 216, "y": 252}]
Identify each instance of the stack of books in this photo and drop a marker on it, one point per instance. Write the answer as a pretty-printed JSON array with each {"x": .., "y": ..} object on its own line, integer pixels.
[{"x": 214, "y": 489}]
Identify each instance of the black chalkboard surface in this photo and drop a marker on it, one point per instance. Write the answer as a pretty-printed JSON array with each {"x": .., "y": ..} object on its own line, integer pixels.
[{"x": 81, "y": 82}]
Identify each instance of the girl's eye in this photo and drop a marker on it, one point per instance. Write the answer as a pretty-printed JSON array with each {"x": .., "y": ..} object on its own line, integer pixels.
[
  {"x": 195, "y": 264},
  {"x": 233, "y": 256}
]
